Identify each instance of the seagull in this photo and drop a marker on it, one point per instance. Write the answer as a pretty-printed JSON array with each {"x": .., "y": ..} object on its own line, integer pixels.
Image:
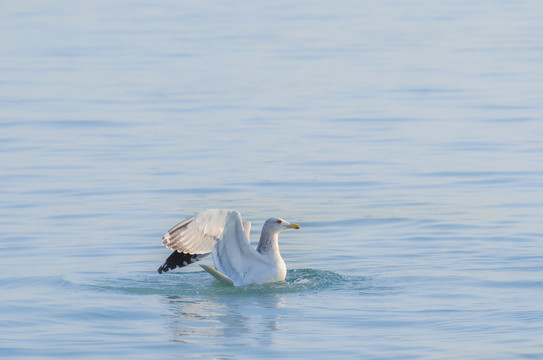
[{"x": 225, "y": 235}]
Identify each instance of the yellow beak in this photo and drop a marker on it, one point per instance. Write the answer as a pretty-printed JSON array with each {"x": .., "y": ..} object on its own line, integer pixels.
[{"x": 293, "y": 226}]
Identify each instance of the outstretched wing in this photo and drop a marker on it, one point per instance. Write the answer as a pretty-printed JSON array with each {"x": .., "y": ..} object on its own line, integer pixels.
[
  {"x": 196, "y": 237},
  {"x": 198, "y": 234},
  {"x": 233, "y": 255}
]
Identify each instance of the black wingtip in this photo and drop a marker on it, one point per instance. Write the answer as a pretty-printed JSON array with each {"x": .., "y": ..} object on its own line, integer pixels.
[
  {"x": 179, "y": 259},
  {"x": 166, "y": 267}
]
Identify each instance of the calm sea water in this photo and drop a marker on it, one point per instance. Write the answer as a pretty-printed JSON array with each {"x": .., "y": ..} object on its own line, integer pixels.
[{"x": 405, "y": 137}]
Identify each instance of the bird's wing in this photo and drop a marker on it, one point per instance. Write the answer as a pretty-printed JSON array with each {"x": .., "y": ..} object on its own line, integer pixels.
[
  {"x": 222, "y": 233},
  {"x": 233, "y": 255},
  {"x": 198, "y": 234}
]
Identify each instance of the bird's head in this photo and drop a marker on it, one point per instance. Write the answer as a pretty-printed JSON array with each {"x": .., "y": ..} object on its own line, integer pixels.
[{"x": 278, "y": 225}]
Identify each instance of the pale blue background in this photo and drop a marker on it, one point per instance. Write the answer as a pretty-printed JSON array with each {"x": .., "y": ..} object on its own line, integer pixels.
[{"x": 406, "y": 137}]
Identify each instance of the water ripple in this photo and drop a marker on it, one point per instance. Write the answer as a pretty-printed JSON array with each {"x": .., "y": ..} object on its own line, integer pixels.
[{"x": 200, "y": 283}]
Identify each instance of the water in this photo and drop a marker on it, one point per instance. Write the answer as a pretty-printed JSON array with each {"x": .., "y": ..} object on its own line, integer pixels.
[{"x": 405, "y": 138}]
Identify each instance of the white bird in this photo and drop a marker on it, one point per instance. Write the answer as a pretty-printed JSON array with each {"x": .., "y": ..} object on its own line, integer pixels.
[{"x": 225, "y": 235}]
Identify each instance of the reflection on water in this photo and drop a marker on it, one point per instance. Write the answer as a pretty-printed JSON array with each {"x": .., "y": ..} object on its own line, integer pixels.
[
  {"x": 245, "y": 319},
  {"x": 250, "y": 315},
  {"x": 200, "y": 308}
]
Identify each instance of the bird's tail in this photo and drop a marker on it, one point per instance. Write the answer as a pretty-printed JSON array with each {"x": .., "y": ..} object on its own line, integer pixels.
[{"x": 179, "y": 259}]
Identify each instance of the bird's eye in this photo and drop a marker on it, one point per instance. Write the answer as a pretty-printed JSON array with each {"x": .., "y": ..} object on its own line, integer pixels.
[{"x": 278, "y": 221}]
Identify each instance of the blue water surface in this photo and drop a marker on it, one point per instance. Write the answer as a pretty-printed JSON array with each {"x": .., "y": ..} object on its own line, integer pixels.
[{"x": 404, "y": 137}]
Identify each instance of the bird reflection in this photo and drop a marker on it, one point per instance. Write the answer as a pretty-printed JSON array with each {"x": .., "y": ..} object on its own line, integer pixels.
[{"x": 235, "y": 318}]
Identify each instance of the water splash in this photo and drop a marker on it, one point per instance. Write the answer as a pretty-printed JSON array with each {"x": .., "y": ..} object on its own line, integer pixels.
[{"x": 200, "y": 283}]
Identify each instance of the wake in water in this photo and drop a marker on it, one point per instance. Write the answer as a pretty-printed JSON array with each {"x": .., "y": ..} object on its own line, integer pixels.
[{"x": 200, "y": 283}]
